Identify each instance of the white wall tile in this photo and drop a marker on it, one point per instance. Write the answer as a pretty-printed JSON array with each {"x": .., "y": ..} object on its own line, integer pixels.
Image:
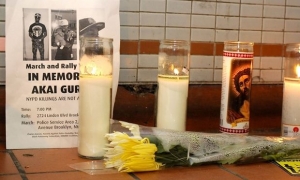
[
  {"x": 179, "y": 6},
  {"x": 218, "y": 75},
  {"x": 274, "y": 11},
  {"x": 256, "y": 63},
  {"x": 271, "y": 75},
  {"x": 201, "y": 75},
  {"x": 203, "y": 21},
  {"x": 275, "y": 2},
  {"x": 273, "y": 24},
  {"x": 129, "y": 18},
  {"x": 2, "y": 13},
  {"x": 2, "y": 2},
  {"x": 271, "y": 63},
  {"x": 2, "y": 75},
  {"x": 228, "y": 9},
  {"x": 178, "y": 33},
  {"x": 256, "y": 75},
  {"x": 147, "y": 75},
  {"x": 2, "y": 29},
  {"x": 224, "y": 22},
  {"x": 152, "y": 19},
  {"x": 226, "y": 35},
  {"x": 2, "y": 59},
  {"x": 235, "y": 1},
  {"x": 180, "y": 20},
  {"x": 148, "y": 61},
  {"x": 128, "y": 61},
  {"x": 153, "y": 33},
  {"x": 292, "y": 25},
  {"x": 129, "y": 5},
  {"x": 218, "y": 62},
  {"x": 292, "y": 2},
  {"x": 201, "y": 61},
  {"x": 203, "y": 35},
  {"x": 250, "y": 10},
  {"x": 250, "y": 23},
  {"x": 292, "y": 12},
  {"x": 207, "y": 7},
  {"x": 272, "y": 37},
  {"x": 127, "y": 75},
  {"x": 131, "y": 33},
  {"x": 251, "y": 36},
  {"x": 153, "y": 5},
  {"x": 291, "y": 37},
  {"x": 252, "y": 1}
]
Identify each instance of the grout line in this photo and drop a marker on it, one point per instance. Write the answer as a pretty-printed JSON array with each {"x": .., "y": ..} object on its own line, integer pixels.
[
  {"x": 231, "y": 172},
  {"x": 18, "y": 165}
]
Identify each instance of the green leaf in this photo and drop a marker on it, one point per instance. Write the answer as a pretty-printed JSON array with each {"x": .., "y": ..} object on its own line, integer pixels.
[{"x": 177, "y": 156}]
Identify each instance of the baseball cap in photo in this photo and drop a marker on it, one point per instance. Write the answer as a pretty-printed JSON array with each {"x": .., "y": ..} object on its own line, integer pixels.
[
  {"x": 63, "y": 22},
  {"x": 86, "y": 23},
  {"x": 37, "y": 15}
]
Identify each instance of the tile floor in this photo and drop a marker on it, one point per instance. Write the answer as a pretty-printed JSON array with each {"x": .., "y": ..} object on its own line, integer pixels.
[{"x": 49, "y": 164}]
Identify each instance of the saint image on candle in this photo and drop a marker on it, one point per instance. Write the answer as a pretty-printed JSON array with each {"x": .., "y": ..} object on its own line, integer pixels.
[{"x": 239, "y": 101}]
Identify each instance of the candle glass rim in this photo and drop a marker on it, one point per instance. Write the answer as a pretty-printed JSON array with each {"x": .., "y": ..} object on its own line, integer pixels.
[
  {"x": 174, "y": 41},
  {"x": 239, "y": 42}
]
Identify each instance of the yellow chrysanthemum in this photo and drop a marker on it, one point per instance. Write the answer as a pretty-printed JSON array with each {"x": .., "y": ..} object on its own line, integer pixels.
[{"x": 130, "y": 154}]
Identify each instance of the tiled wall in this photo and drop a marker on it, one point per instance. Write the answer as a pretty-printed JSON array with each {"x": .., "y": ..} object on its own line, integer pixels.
[{"x": 207, "y": 24}]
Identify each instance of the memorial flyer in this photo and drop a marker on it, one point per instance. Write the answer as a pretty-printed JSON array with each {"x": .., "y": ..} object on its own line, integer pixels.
[{"x": 42, "y": 67}]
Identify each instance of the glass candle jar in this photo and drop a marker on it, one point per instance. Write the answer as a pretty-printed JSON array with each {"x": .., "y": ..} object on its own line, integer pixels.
[
  {"x": 291, "y": 92},
  {"x": 236, "y": 86},
  {"x": 95, "y": 83},
  {"x": 173, "y": 83}
]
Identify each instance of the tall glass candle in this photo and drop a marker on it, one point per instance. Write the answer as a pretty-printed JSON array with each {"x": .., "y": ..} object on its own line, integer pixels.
[
  {"x": 95, "y": 84},
  {"x": 173, "y": 83},
  {"x": 236, "y": 86},
  {"x": 291, "y": 92}
]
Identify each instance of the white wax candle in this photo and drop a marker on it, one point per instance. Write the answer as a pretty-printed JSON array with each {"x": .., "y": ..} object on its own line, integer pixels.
[
  {"x": 94, "y": 114},
  {"x": 291, "y": 108},
  {"x": 172, "y": 103}
]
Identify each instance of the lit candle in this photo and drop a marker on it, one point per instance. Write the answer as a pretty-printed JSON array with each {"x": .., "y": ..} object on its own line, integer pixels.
[
  {"x": 94, "y": 111},
  {"x": 173, "y": 83},
  {"x": 172, "y": 102},
  {"x": 95, "y": 84},
  {"x": 291, "y": 92},
  {"x": 291, "y": 107}
]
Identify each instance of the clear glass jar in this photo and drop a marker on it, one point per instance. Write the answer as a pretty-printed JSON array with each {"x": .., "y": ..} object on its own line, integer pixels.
[
  {"x": 236, "y": 87},
  {"x": 95, "y": 83},
  {"x": 173, "y": 83},
  {"x": 291, "y": 92}
]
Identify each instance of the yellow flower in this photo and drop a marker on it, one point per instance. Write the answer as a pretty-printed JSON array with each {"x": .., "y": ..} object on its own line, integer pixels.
[{"x": 130, "y": 154}]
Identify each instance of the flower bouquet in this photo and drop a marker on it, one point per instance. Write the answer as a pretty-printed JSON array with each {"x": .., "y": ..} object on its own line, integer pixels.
[{"x": 134, "y": 148}]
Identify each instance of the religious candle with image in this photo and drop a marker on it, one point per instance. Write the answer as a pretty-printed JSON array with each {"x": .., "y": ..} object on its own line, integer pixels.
[{"x": 236, "y": 86}]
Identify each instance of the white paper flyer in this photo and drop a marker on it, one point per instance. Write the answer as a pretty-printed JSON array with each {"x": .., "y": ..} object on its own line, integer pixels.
[{"x": 42, "y": 67}]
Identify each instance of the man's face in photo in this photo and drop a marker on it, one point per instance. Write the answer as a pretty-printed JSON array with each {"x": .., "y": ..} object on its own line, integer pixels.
[
  {"x": 37, "y": 18},
  {"x": 64, "y": 28}
]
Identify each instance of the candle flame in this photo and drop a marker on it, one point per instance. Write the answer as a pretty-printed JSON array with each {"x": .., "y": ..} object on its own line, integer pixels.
[
  {"x": 298, "y": 70},
  {"x": 176, "y": 71}
]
